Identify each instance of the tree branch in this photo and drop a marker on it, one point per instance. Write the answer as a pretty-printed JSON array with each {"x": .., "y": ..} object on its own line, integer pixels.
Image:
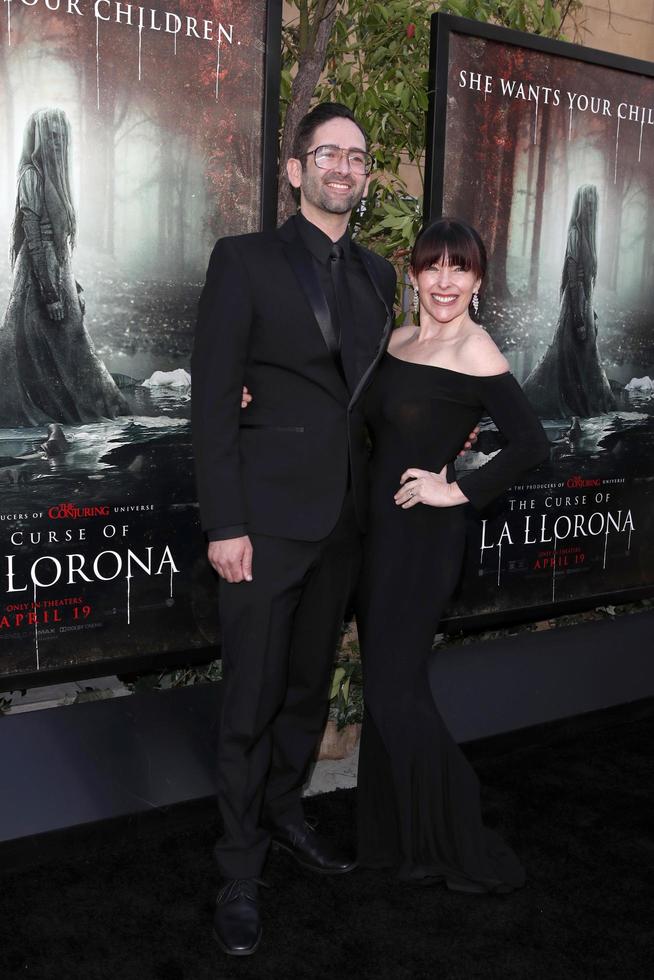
[
  {"x": 311, "y": 62},
  {"x": 564, "y": 17}
]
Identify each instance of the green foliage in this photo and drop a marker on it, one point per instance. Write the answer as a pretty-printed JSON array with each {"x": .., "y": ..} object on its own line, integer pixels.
[
  {"x": 345, "y": 697},
  {"x": 535, "y": 16},
  {"x": 377, "y": 64},
  {"x": 181, "y": 677}
]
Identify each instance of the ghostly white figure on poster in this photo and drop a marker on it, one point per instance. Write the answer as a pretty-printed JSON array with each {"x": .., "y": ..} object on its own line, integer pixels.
[
  {"x": 49, "y": 371},
  {"x": 569, "y": 380}
]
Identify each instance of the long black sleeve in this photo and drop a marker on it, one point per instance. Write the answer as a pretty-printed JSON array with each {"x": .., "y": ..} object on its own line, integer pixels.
[
  {"x": 226, "y": 533},
  {"x": 526, "y": 442}
]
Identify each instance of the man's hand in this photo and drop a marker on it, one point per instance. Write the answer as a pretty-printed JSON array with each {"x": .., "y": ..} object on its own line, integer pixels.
[
  {"x": 232, "y": 559},
  {"x": 246, "y": 397},
  {"x": 470, "y": 441}
]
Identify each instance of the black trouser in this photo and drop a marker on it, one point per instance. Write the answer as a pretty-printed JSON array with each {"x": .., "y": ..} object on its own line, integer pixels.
[{"x": 279, "y": 637}]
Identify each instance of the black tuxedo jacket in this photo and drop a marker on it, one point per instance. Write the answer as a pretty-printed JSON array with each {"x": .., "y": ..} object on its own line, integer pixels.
[{"x": 280, "y": 467}]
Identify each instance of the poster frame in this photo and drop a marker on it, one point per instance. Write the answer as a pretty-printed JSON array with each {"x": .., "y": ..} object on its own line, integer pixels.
[
  {"x": 442, "y": 26},
  {"x": 270, "y": 115},
  {"x": 130, "y": 666}
]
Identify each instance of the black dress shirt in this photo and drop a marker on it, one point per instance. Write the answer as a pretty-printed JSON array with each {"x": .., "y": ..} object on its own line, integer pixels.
[{"x": 363, "y": 299}]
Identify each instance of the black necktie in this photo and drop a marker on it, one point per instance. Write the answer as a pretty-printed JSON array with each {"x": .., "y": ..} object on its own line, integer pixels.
[
  {"x": 343, "y": 320},
  {"x": 337, "y": 272}
]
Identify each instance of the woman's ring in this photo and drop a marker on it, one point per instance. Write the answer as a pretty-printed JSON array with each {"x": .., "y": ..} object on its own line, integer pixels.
[{"x": 412, "y": 493}]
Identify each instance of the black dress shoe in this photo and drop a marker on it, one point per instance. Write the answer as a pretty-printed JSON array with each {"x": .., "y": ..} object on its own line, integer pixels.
[
  {"x": 236, "y": 922},
  {"x": 310, "y": 850}
]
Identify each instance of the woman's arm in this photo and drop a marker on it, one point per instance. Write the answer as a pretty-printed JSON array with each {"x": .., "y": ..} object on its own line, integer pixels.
[
  {"x": 30, "y": 200},
  {"x": 526, "y": 442},
  {"x": 526, "y": 446}
]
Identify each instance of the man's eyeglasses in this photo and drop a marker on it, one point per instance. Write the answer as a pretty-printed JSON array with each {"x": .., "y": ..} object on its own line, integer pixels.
[{"x": 329, "y": 157}]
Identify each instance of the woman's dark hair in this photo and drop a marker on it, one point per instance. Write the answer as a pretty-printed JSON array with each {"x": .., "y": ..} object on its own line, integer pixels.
[
  {"x": 452, "y": 240},
  {"x": 308, "y": 124}
]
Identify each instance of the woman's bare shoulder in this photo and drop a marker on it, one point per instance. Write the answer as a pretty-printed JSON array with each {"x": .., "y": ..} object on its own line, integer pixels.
[
  {"x": 400, "y": 335},
  {"x": 479, "y": 354}
]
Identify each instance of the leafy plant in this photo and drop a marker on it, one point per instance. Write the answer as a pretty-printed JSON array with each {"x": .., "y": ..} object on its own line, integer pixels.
[
  {"x": 346, "y": 699},
  {"x": 180, "y": 677},
  {"x": 376, "y": 62},
  {"x": 346, "y": 696}
]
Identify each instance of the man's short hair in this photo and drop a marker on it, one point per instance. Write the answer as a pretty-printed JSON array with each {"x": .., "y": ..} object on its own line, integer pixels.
[{"x": 308, "y": 124}]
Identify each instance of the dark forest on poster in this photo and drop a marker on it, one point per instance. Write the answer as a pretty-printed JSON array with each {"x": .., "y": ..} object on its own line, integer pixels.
[
  {"x": 133, "y": 137},
  {"x": 548, "y": 149}
]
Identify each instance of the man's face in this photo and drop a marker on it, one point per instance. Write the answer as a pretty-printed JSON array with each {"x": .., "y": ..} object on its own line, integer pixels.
[{"x": 338, "y": 190}]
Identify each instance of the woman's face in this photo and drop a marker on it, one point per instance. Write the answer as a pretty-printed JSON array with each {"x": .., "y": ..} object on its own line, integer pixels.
[
  {"x": 55, "y": 140},
  {"x": 445, "y": 290}
]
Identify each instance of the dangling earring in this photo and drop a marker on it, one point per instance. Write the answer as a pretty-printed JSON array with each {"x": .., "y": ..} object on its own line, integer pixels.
[
  {"x": 475, "y": 302},
  {"x": 416, "y": 301}
]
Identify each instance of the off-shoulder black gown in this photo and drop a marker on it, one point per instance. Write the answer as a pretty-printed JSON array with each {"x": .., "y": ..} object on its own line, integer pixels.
[{"x": 418, "y": 797}]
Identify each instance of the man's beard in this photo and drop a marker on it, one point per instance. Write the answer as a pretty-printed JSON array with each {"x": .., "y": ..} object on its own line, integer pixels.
[
  {"x": 342, "y": 204},
  {"x": 318, "y": 193}
]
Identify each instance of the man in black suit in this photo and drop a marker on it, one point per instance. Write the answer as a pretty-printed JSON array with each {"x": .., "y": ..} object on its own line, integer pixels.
[{"x": 300, "y": 315}]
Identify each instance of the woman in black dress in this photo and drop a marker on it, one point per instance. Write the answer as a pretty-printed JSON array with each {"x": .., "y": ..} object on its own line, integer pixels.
[{"x": 418, "y": 798}]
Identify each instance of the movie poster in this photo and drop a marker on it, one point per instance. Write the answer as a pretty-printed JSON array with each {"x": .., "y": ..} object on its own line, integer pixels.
[
  {"x": 551, "y": 157},
  {"x": 131, "y": 140}
]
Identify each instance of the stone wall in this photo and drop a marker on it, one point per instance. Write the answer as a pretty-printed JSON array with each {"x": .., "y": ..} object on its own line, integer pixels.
[{"x": 622, "y": 26}]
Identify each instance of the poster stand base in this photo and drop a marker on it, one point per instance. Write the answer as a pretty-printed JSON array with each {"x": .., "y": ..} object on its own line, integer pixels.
[{"x": 77, "y": 765}]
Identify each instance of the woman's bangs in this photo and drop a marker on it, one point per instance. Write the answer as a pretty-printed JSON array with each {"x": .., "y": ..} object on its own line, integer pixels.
[{"x": 448, "y": 243}]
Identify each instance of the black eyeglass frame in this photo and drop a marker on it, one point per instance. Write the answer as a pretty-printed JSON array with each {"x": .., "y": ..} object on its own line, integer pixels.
[{"x": 370, "y": 160}]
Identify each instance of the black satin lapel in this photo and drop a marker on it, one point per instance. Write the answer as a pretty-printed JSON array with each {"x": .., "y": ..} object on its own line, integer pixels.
[
  {"x": 383, "y": 343},
  {"x": 302, "y": 265},
  {"x": 370, "y": 269}
]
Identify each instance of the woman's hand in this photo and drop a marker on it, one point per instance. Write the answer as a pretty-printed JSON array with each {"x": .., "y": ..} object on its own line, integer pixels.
[
  {"x": 246, "y": 397},
  {"x": 55, "y": 310},
  {"x": 424, "y": 487}
]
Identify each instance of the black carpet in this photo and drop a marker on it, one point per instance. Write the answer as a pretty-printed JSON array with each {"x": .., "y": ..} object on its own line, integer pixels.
[{"x": 135, "y": 899}]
